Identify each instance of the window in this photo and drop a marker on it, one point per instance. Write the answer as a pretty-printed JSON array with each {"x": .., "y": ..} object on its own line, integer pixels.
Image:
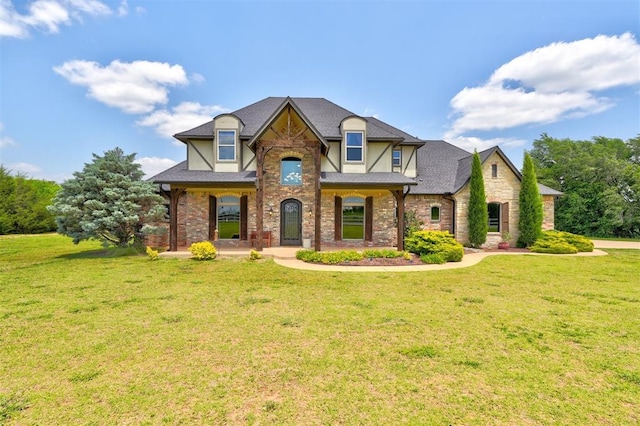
[
  {"x": 494, "y": 217},
  {"x": 494, "y": 170},
  {"x": 291, "y": 171},
  {"x": 397, "y": 158},
  {"x": 353, "y": 218},
  {"x": 229, "y": 218},
  {"x": 435, "y": 214},
  {"x": 227, "y": 145},
  {"x": 355, "y": 146}
]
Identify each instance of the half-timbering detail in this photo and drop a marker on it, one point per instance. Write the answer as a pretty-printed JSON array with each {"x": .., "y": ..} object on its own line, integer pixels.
[{"x": 307, "y": 172}]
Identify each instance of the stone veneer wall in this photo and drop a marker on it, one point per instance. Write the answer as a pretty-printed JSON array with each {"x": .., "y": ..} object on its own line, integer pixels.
[
  {"x": 275, "y": 193},
  {"x": 422, "y": 204},
  {"x": 384, "y": 223},
  {"x": 501, "y": 189},
  {"x": 548, "y": 218}
]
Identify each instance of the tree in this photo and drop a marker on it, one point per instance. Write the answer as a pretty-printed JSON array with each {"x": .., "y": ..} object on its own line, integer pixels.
[
  {"x": 531, "y": 211},
  {"x": 478, "y": 216},
  {"x": 23, "y": 203},
  {"x": 601, "y": 182},
  {"x": 108, "y": 201}
]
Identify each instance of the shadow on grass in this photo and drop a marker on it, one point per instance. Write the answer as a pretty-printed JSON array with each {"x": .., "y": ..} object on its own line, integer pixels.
[{"x": 109, "y": 252}]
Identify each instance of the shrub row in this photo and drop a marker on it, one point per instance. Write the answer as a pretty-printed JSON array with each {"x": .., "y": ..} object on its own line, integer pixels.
[
  {"x": 334, "y": 257},
  {"x": 433, "y": 246},
  {"x": 560, "y": 242}
]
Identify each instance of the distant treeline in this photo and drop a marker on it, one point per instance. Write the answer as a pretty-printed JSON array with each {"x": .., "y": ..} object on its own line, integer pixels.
[
  {"x": 23, "y": 204},
  {"x": 600, "y": 179}
]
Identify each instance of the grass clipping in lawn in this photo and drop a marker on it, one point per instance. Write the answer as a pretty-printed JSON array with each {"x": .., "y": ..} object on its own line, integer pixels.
[{"x": 89, "y": 338}]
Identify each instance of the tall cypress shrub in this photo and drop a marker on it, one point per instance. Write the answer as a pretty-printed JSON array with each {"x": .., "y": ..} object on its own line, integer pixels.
[
  {"x": 478, "y": 216},
  {"x": 531, "y": 211}
]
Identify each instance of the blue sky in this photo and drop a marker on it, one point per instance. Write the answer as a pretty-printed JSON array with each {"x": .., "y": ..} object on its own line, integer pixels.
[{"x": 84, "y": 76}]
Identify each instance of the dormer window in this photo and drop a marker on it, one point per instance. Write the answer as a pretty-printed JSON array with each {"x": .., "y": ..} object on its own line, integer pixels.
[
  {"x": 227, "y": 145},
  {"x": 355, "y": 146}
]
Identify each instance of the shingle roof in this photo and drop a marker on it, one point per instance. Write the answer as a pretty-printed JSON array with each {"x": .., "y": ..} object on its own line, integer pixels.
[
  {"x": 180, "y": 174},
  {"x": 437, "y": 167},
  {"x": 366, "y": 179},
  {"x": 545, "y": 190},
  {"x": 324, "y": 115}
]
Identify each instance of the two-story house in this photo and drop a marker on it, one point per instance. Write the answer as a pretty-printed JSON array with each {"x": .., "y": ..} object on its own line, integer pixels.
[{"x": 305, "y": 171}]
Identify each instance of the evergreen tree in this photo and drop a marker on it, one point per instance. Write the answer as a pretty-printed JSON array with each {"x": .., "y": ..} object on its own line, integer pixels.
[
  {"x": 108, "y": 201},
  {"x": 531, "y": 210},
  {"x": 478, "y": 216}
]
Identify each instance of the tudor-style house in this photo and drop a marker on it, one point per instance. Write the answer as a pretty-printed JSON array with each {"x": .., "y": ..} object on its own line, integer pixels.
[{"x": 307, "y": 172}]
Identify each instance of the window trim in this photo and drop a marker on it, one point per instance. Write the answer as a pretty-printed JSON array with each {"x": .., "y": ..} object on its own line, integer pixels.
[
  {"x": 347, "y": 147},
  {"x": 219, "y": 145},
  {"x": 494, "y": 170}
]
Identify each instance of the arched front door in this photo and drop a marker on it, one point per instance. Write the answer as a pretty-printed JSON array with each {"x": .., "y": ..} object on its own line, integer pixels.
[{"x": 291, "y": 223}]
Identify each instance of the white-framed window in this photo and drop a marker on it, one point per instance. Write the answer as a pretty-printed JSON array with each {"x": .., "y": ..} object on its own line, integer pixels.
[
  {"x": 353, "y": 218},
  {"x": 397, "y": 157},
  {"x": 227, "y": 145},
  {"x": 354, "y": 146},
  {"x": 291, "y": 171}
]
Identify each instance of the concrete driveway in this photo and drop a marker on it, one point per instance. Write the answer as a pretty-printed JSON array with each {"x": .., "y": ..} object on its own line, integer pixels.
[{"x": 605, "y": 244}]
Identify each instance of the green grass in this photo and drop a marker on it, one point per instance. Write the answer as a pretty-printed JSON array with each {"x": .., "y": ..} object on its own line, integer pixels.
[{"x": 90, "y": 338}]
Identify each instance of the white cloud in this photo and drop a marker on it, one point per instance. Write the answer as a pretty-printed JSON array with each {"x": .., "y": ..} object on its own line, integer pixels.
[
  {"x": 553, "y": 83},
  {"x": 151, "y": 166},
  {"x": 123, "y": 9},
  {"x": 197, "y": 78},
  {"x": 135, "y": 87},
  {"x": 469, "y": 143},
  {"x": 5, "y": 141},
  {"x": 31, "y": 170},
  {"x": 46, "y": 15},
  {"x": 371, "y": 112},
  {"x": 187, "y": 115}
]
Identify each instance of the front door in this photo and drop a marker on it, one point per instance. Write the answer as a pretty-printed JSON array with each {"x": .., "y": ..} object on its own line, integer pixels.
[{"x": 291, "y": 223}]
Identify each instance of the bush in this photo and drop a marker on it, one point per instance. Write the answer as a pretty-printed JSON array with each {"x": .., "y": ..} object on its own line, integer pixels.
[
  {"x": 553, "y": 247},
  {"x": 334, "y": 257},
  {"x": 560, "y": 242},
  {"x": 434, "y": 258},
  {"x": 384, "y": 253},
  {"x": 254, "y": 255},
  {"x": 429, "y": 242},
  {"x": 153, "y": 254},
  {"x": 203, "y": 250}
]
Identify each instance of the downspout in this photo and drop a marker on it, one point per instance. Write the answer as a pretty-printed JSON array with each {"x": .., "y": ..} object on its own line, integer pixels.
[{"x": 448, "y": 196}]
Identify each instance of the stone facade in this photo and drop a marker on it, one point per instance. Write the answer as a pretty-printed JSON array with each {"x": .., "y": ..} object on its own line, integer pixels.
[
  {"x": 275, "y": 192},
  {"x": 548, "y": 218},
  {"x": 384, "y": 221},
  {"x": 503, "y": 188},
  {"x": 422, "y": 204}
]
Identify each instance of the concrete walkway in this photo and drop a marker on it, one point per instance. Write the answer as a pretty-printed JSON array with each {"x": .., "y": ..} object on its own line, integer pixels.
[{"x": 286, "y": 256}]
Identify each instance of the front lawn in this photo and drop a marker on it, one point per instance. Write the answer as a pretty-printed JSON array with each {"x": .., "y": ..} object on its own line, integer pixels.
[{"x": 90, "y": 338}]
